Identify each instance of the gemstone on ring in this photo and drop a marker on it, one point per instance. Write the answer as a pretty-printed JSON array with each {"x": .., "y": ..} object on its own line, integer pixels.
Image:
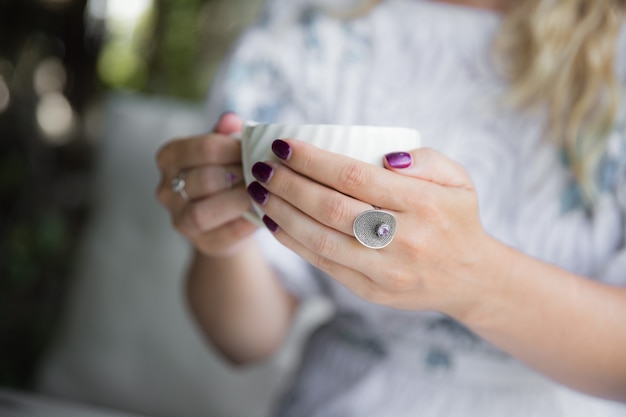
[
  {"x": 383, "y": 231},
  {"x": 231, "y": 179},
  {"x": 375, "y": 229}
]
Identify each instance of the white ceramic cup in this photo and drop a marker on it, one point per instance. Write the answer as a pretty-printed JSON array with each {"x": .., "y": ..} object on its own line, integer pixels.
[{"x": 366, "y": 143}]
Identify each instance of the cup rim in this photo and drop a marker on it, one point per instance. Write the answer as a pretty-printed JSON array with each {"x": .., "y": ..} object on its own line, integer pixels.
[{"x": 252, "y": 123}]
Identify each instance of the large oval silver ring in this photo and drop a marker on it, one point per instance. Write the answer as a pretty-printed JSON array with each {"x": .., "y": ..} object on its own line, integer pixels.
[{"x": 375, "y": 229}]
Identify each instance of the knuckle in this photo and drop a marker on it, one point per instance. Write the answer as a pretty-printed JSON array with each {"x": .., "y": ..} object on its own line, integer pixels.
[
  {"x": 460, "y": 170},
  {"x": 397, "y": 281},
  {"x": 428, "y": 206},
  {"x": 284, "y": 185},
  {"x": 372, "y": 293},
  {"x": 308, "y": 161},
  {"x": 179, "y": 225},
  {"x": 426, "y": 156},
  {"x": 213, "y": 174},
  {"x": 334, "y": 210},
  {"x": 427, "y": 153},
  {"x": 413, "y": 244},
  {"x": 163, "y": 156},
  {"x": 197, "y": 216},
  {"x": 206, "y": 180},
  {"x": 353, "y": 176},
  {"x": 322, "y": 244},
  {"x": 323, "y": 263},
  {"x": 162, "y": 194},
  {"x": 239, "y": 230},
  {"x": 210, "y": 148}
]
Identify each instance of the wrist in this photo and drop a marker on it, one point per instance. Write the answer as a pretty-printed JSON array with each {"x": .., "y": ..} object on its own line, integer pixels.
[
  {"x": 231, "y": 253},
  {"x": 484, "y": 296}
]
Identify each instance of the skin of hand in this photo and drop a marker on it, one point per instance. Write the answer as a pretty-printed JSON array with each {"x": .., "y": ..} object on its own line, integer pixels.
[
  {"x": 314, "y": 196},
  {"x": 442, "y": 259},
  {"x": 233, "y": 294},
  {"x": 211, "y": 164}
]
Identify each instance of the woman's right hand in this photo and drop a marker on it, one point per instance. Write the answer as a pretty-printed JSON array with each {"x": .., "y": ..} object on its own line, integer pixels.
[{"x": 209, "y": 211}]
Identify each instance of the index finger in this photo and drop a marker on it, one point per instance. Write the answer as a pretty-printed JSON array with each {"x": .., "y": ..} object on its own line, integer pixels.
[
  {"x": 369, "y": 183},
  {"x": 211, "y": 149}
]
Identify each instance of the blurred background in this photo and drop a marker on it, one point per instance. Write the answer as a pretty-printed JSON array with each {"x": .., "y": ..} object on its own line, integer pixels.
[{"x": 88, "y": 91}]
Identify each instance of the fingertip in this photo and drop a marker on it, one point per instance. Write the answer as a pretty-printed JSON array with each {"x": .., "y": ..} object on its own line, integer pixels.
[
  {"x": 270, "y": 224},
  {"x": 229, "y": 123}
]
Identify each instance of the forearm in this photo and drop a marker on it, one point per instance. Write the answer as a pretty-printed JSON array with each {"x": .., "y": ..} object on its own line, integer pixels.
[
  {"x": 568, "y": 327},
  {"x": 239, "y": 304}
]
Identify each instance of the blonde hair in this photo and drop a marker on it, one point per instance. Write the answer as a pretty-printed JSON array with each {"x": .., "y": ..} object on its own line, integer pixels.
[{"x": 559, "y": 56}]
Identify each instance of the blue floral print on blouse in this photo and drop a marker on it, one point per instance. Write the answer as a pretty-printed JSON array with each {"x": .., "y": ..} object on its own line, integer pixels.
[{"x": 609, "y": 173}]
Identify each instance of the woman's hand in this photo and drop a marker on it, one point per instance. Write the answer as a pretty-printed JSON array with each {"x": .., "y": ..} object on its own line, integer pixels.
[
  {"x": 434, "y": 262},
  {"x": 441, "y": 259},
  {"x": 209, "y": 211}
]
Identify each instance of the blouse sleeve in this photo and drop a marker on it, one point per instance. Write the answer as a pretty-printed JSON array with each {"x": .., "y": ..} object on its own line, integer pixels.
[{"x": 260, "y": 81}]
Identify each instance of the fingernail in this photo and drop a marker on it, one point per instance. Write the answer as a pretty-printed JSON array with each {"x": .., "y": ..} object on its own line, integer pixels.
[
  {"x": 399, "y": 159},
  {"x": 262, "y": 172},
  {"x": 281, "y": 149},
  {"x": 258, "y": 193},
  {"x": 271, "y": 224}
]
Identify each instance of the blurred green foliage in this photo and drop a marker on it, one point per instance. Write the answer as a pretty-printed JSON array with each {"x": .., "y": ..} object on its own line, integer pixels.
[
  {"x": 172, "y": 49},
  {"x": 44, "y": 186},
  {"x": 175, "y": 47}
]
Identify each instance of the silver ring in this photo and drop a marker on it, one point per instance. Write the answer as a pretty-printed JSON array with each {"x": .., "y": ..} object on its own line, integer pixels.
[
  {"x": 178, "y": 186},
  {"x": 375, "y": 229}
]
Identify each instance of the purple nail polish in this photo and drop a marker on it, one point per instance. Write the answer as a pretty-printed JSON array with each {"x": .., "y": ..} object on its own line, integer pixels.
[
  {"x": 262, "y": 172},
  {"x": 399, "y": 159},
  {"x": 258, "y": 193},
  {"x": 271, "y": 224},
  {"x": 281, "y": 149}
]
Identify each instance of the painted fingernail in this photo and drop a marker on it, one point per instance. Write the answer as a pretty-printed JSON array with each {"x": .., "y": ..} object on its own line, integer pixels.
[
  {"x": 399, "y": 159},
  {"x": 281, "y": 149},
  {"x": 258, "y": 193},
  {"x": 262, "y": 171},
  {"x": 271, "y": 224}
]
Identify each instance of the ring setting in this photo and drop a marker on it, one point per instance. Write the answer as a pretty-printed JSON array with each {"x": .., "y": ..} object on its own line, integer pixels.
[
  {"x": 178, "y": 186},
  {"x": 231, "y": 179},
  {"x": 375, "y": 229}
]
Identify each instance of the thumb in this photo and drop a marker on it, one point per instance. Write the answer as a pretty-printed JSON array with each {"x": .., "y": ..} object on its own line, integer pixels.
[
  {"x": 429, "y": 165},
  {"x": 228, "y": 124}
]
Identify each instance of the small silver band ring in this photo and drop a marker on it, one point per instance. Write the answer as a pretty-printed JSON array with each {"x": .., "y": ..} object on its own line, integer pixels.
[
  {"x": 178, "y": 186},
  {"x": 375, "y": 229}
]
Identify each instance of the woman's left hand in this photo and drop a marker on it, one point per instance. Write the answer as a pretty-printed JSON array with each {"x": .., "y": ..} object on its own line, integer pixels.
[{"x": 434, "y": 262}]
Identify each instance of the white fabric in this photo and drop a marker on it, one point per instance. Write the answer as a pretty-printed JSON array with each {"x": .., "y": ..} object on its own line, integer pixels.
[{"x": 426, "y": 65}]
